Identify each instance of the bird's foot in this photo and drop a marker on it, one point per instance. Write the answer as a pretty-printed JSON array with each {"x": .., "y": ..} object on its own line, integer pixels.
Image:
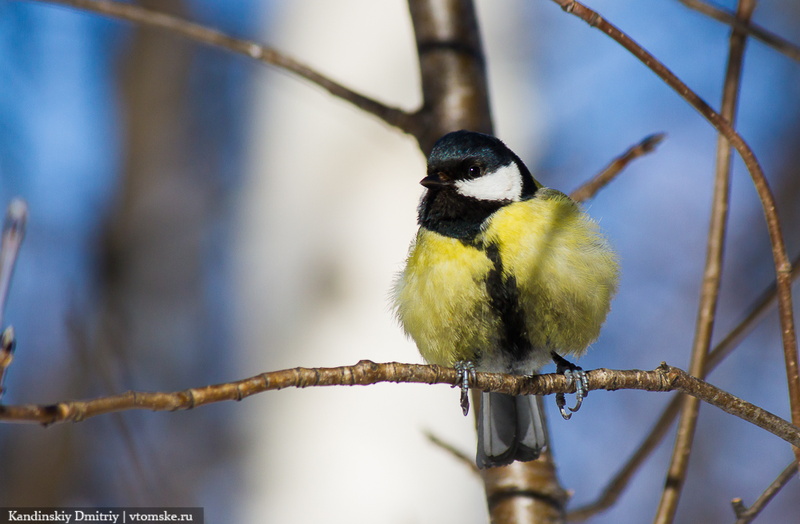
[
  {"x": 574, "y": 375},
  {"x": 466, "y": 369}
]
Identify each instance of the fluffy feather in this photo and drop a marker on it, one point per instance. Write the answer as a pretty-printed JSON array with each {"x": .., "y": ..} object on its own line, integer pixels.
[{"x": 502, "y": 273}]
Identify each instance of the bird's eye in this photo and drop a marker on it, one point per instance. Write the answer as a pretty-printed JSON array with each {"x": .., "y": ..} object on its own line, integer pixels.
[{"x": 474, "y": 171}]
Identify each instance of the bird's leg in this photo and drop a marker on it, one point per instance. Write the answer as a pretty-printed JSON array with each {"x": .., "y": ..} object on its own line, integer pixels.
[
  {"x": 466, "y": 369},
  {"x": 575, "y": 375}
]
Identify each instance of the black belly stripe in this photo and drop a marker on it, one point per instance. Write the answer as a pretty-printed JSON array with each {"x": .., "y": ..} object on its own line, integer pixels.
[{"x": 504, "y": 299}]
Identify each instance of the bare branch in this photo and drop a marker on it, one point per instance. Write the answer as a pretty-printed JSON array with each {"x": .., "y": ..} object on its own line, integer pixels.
[
  {"x": 365, "y": 372},
  {"x": 781, "y": 260},
  {"x": 452, "y": 70},
  {"x": 756, "y": 31},
  {"x": 733, "y": 405},
  {"x": 416, "y": 124},
  {"x": 12, "y": 236},
  {"x": 757, "y": 311},
  {"x": 198, "y": 33},
  {"x": 602, "y": 179},
  {"x": 712, "y": 275},
  {"x": 745, "y": 515},
  {"x": 13, "y": 233},
  {"x": 620, "y": 481},
  {"x": 457, "y": 453}
]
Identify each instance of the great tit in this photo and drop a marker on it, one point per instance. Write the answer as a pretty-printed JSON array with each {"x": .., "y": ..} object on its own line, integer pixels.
[{"x": 503, "y": 275}]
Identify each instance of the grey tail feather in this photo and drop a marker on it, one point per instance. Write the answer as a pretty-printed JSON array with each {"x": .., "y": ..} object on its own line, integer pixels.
[{"x": 509, "y": 428}]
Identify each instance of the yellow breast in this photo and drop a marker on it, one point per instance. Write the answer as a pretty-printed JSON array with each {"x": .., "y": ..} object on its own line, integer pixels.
[
  {"x": 441, "y": 300},
  {"x": 564, "y": 271}
]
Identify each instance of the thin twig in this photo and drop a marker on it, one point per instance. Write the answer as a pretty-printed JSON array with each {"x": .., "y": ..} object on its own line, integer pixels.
[
  {"x": 780, "y": 257},
  {"x": 198, "y": 33},
  {"x": 599, "y": 181},
  {"x": 757, "y": 311},
  {"x": 756, "y": 31},
  {"x": 712, "y": 275},
  {"x": 452, "y": 450},
  {"x": 13, "y": 233},
  {"x": 12, "y": 236},
  {"x": 733, "y": 405},
  {"x": 619, "y": 482},
  {"x": 745, "y": 515}
]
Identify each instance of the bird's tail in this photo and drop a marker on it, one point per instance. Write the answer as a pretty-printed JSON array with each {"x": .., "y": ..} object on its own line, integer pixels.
[{"x": 509, "y": 428}]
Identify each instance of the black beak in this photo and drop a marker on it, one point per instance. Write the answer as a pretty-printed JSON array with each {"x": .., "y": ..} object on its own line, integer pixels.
[{"x": 436, "y": 181}]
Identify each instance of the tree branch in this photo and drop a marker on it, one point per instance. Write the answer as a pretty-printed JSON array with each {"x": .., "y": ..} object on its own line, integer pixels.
[
  {"x": 365, "y": 372},
  {"x": 756, "y": 31},
  {"x": 602, "y": 179},
  {"x": 744, "y": 515},
  {"x": 393, "y": 116},
  {"x": 452, "y": 70},
  {"x": 781, "y": 259},
  {"x": 712, "y": 275},
  {"x": 419, "y": 124},
  {"x": 615, "y": 487},
  {"x": 12, "y": 236},
  {"x": 453, "y": 451}
]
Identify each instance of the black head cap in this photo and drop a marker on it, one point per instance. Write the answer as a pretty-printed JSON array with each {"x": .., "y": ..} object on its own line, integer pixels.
[
  {"x": 458, "y": 199},
  {"x": 465, "y": 154}
]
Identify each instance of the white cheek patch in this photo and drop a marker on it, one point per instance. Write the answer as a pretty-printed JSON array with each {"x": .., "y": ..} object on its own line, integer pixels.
[{"x": 503, "y": 184}]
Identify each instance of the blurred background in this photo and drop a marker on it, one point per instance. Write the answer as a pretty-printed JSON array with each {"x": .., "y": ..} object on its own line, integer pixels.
[{"x": 196, "y": 217}]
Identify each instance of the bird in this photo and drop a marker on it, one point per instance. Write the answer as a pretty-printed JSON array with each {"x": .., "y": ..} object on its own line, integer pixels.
[{"x": 504, "y": 275}]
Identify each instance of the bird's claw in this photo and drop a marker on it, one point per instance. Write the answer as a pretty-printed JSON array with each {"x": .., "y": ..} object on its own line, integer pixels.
[
  {"x": 579, "y": 378},
  {"x": 574, "y": 375},
  {"x": 466, "y": 369}
]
